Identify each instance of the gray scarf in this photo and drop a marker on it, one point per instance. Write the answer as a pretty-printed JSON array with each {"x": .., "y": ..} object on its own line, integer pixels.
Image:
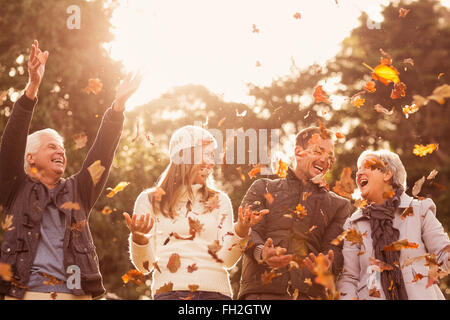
[{"x": 383, "y": 233}]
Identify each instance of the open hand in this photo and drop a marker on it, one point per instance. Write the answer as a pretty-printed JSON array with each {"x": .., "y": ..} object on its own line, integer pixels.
[
  {"x": 310, "y": 261},
  {"x": 275, "y": 257},
  {"x": 248, "y": 218},
  {"x": 139, "y": 227},
  {"x": 36, "y": 69},
  {"x": 126, "y": 89}
]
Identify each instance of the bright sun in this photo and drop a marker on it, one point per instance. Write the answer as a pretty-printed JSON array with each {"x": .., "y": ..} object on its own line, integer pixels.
[{"x": 211, "y": 42}]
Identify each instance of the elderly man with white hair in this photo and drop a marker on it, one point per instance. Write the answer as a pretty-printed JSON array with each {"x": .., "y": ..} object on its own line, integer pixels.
[
  {"x": 403, "y": 248},
  {"x": 49, "y": 240}
]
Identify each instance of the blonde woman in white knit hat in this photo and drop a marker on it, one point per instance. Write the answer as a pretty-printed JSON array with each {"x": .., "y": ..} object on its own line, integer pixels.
[{"x": 183, "y": 228}]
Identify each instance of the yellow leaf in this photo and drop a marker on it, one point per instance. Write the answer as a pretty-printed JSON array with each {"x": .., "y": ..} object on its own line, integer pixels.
[
  {"x": 422, "y": 151},
  {"x": 96, "y": 170},
  {"x": 117, "y": 188}
]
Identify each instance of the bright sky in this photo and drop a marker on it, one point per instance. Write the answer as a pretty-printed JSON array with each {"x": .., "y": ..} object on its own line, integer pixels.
[{"x": 210, "y": 42}]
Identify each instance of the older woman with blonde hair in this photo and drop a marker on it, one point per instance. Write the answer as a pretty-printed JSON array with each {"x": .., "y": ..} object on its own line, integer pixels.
[
  {"x": 372, "y": 270},
  {"x": 183, "y": 228}
]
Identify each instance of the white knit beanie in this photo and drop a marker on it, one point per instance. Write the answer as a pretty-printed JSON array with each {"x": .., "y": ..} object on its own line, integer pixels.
[{"x": 188, "y": 137}]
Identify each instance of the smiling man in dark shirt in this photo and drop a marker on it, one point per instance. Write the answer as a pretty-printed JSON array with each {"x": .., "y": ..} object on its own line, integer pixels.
[{"x": 49, "y": 240}]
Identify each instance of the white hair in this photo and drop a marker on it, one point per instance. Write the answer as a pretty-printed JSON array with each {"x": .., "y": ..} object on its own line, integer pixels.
[
  {"x": 392, "y": 162},
  {"x": 34, "y": 142}
]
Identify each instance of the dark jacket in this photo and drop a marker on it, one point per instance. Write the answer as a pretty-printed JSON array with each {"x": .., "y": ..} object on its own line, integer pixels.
[
  {"x": 25, "y": 199},
  {"x": 325, "y": 209}
]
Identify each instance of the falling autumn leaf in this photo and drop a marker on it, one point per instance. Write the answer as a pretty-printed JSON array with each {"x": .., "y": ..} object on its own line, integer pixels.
[
  {"x": 422, "y": 151},
  {"x": 305, "y": 195},
  {"x": 373, "y": 292},
  {"x": 213, "y": 203},
  {"x": 269, "y": 197},
  {"x": 135, "y": 276},
  {"x": 5, "y": 272},
  {"x": 314, "y": 227},
  {"x": 408, "y": 212},
  {"x": 346, "y": 185},
  {"x": 417, "y": 186},
  {"x": 407, "y": 110},
  {"x": 320, "y": 95},
  {"x": 323, "y": 276},
  {"x": 221, "y": 122},
  {"x": 440, "y": 75},
  {"x": 167, "y": 287},
  {"x": 158, "y": 194},
  {"x": 374, "y": 164},
  {"x": 106, "y": 210},
  {"x": 241, "y": 114},
  {"x": 380, "y": 264},
  {"x": 352, "y": 235},
  {"x": 403, "y": 12},
  {"x": 96, "y": 171},
  {"x": 400, "y": 245},
  {"x": 80, "y": 140},
  {"x": 156, "y": 266},
  {"x": 388, "y": 192},
  {"x": 409, "y": 60},
  {"x": 280, "y": 168},
  {"x": 384, "y": 72},
  {"x": 339, "y": 135},
  {"x": 70, "y": 205},
  {"x": 213, "y": 249},
  {"x": 191, "y": 268},
  {"x": 417, "y": 277},
  {"x": 297, "y": 16},
  {"x": 242, "y": 176},
  {"x": 174, "y": 262},
  {"x": 357, "y": 101},
  {"x": 440, "y": 93},
  {"x": 300, "y": 211},
  {"x": 253, "y": 172},
  {"x": 432, "y": 174},
  {"x": 78, "y": 225},
  {"x": 120, "y": 186},
  {"x": 193, "y": 287},
  {"x": 380, "y": 109},
  {"x": 360, "y": 203},
  {"x": 52, "y": 280},
  {"x": 94, "y": 86},
  {"x": 398, "y": 91},
  {"x": 370, "y": 86},
  {"x": 267, "y": 277},
  {"x": 308, "y": 281}
]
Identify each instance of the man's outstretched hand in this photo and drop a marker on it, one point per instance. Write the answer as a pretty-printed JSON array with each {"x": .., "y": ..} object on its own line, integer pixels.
[
  {"x": 36, "y": 69},
  {"x": 275, "y": 257},
  {"x": 125, "y": 90}
]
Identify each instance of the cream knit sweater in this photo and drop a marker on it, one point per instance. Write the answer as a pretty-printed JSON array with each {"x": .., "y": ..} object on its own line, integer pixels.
[{"x": 210, "y": 274}]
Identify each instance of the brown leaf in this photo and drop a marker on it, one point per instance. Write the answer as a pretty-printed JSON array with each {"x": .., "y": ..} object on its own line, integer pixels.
[
  {"x": 382, "y": 265},
  {"x": 269, "y": 197},
  {"x": 52, "y": 281},
  {"x": 418, "y": 186},
  {"x": 53, "y": 295},
  {"x": 5, "y": 271},
  {"x": 145, "y": 264},
  {"x": 407, "y": 212},
  {"x": 267, "y": 277},
  {"x": 193, "y": 287},
  {"x": 213, "y": 249},
  {"x": 70, "y": 205},
  {"x": 81, "y": 140},
  {"x": 400, "y": 245},
  {"x": 213, "y": 203},
  {"x": 119, "y": 187},
  {"x": 94, "y": 86},
  {"x": 78, "y": 225},
  {"x": 106, "y": 210},
  {"x": 373, "y": 292},
  {"x": 96, "y": 171},
  {"x": 191, "y": 268},
  {"x": 167, "y": 287},
  {"x": 174, "y": 262},
  {"x": 346, "y": 185},
  {"x": 156, "y": 266}
]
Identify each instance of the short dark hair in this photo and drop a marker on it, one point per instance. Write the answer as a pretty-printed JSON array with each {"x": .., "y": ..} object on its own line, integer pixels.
[{"x": 305, "y": 135}]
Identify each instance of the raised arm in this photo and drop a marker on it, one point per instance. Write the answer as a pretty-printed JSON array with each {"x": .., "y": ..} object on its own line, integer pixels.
[
  {"x": 14, "y": 139},
  {"x": 90, "y": 184}
]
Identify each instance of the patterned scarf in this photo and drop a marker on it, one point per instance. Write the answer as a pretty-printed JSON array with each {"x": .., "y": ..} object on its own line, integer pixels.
[{"x": 383, "y": 233}]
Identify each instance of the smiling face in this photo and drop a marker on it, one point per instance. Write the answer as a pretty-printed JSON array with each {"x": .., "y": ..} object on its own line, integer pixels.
[
  {"x": 50, "y": 159},
  {"x": 205, "y": 168},
  {"x": 373, "y": 179},
  {"x": 316, "y": 159}
]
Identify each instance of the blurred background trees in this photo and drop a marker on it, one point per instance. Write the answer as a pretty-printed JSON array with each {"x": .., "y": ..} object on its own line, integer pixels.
[{"x": 287, "y": 104}]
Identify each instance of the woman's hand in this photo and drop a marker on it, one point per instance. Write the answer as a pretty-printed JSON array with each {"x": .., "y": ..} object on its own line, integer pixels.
[
  {"x": 36, "y": 69},
  {"x": 125, "y": 90},
  {"x": 247, "y": 219},
  {"x": 139, "y": 227}
]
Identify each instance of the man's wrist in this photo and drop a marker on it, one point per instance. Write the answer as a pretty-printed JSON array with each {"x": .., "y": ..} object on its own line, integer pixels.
[
  {"x": 31, "y": 91},
  {"x": 257, "y": 252}
]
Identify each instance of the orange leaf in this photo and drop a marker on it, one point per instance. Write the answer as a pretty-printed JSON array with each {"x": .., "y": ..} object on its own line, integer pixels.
[
  {"x": 358, "y": 102},
  {"x": 339, "y": 135},
  {"x": 191, "y": 268},
  {"x": 297, "y": 16},
  {"x": 135, "y": 276},
  {"x": 385, "y": 73},
  {"x": 417, "y": 277},
  {"x": 382, "y": 265},
  {"x": 408, "y": 212},
  {"x": 80, "y": 140},
  {"x": 167, "y": 287},
  {"x": 320, "y": 95},
  {"x": 267, "y": 277},
  {"x": 106, "y": 210},
  {"x": 78, "y": 225},
  {"x": 94, "y": 86},
  {"x": 422, "y": 151},
  {"x": 403, "y": 12},
  {"x": 255, "y": 29},
  {"x": 96, "y": 171},
  {"x": 213, "y": 249},
  {"x": 346, "y": 185},
  {"x": 370, "y": 86},
  {"x": 5, "y": 271},
  {"x": 388, "y": 192},
  {"x": 269, "y": 197},
  {"x": 254, "y": 172},
  {"x": 398, "y": 91},
  {"x": 116, "y": 189},
  {"x": 174, "y": 262},
  {"x": 400, "y": 245}
]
